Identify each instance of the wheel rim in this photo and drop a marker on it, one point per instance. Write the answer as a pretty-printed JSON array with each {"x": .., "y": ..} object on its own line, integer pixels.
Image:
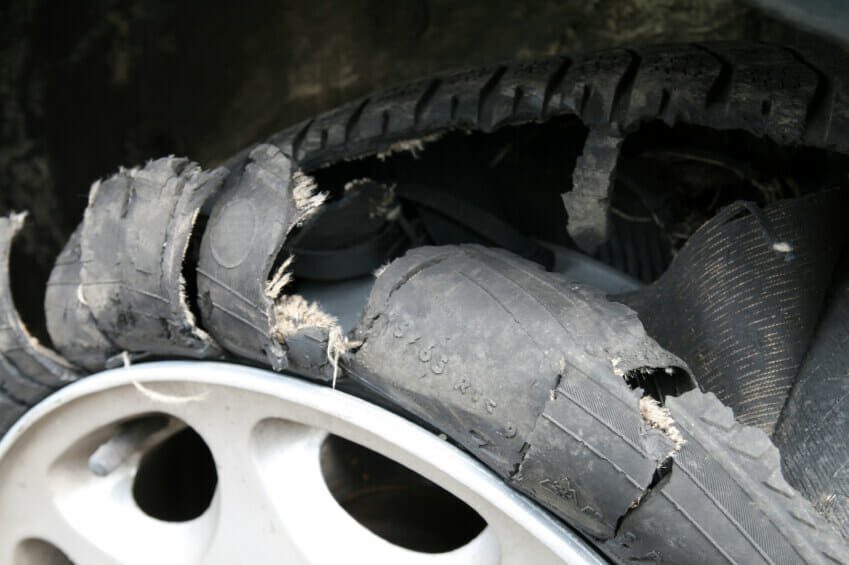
[{"x": 271, "y": 502}]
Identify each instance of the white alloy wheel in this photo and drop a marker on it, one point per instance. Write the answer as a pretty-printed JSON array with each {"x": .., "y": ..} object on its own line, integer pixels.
[{"x": 72, "y": 477}]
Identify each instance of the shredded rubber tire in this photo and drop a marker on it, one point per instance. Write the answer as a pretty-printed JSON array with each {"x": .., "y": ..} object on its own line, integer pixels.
[
  {"x": 532, "y": 376},
  {"x": 576, "y": 422},
  {"x": 28, "y": 370},
  {"x": 721, "y": 86}
]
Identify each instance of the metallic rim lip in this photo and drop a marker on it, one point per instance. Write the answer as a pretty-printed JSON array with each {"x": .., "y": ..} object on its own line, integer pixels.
[{"x": 360, "y": 414}]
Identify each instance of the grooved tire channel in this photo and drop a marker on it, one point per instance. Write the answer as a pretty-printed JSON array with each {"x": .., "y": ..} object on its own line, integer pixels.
[
  {"x": 720, "y": 85},
  {"x": 684, "y": 485}
]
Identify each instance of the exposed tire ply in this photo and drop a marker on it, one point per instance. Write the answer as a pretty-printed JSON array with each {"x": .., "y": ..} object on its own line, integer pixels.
[
  {"x": 740, "y": 313},
  {"x": 588, "y": 203}
]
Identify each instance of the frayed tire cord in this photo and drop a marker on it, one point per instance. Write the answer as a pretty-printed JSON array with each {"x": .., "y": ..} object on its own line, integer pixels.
[{"x": 241, "y": 278}]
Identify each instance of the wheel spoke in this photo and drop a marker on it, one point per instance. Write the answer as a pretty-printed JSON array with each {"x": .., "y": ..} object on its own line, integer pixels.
[{"x": 293, "y": 514}]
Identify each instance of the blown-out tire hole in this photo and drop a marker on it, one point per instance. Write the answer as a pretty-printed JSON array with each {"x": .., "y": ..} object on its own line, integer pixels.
[{"x": 394, "y": 502}]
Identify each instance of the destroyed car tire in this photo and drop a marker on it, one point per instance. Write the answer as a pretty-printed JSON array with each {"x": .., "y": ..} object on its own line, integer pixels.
[
  {"x": 666, "y": 475},
  {"x": 551, "y": 384}
]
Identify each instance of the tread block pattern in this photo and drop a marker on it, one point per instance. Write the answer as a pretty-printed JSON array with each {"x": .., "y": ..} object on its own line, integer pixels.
[
  {"x": 330, "y": 132},
  {"x": 462, "y": 102},
  {"x": 522, "y": 92},
  {"x": 134, "y": 238},
  {"x": 672, "y": 84},
  {"x": 827, "y": 120},
  {"x": 757, "y": 97},
  {"x": 591, "y": 87},
  {"x": 790, "y": 97}
]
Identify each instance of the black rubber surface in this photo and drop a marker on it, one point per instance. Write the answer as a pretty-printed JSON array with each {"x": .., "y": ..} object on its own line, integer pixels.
[{"x": 564, "y": 423}]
